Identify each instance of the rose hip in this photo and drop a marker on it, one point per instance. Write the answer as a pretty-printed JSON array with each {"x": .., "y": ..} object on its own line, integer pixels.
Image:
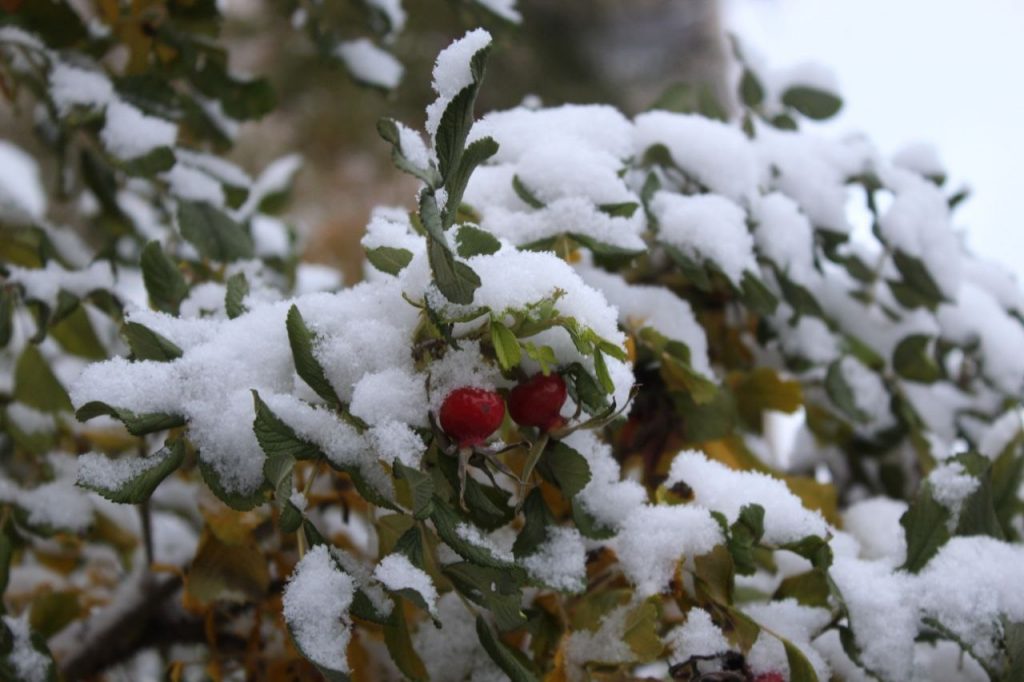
[
  {"x": 470, "y": 415},
  {"x": 538, "y": 401}
]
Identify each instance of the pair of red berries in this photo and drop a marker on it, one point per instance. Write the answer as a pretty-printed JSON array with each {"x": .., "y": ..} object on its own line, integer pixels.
[{"x": 470, "y": 415}]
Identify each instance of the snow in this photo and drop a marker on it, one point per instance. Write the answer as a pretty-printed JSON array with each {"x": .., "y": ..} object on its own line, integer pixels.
[
  {"x": 951, "y": 485},
  {"x": 71, "y": 86},
  {"x": 393, "y": 10},
  {"x": 370, "y": 64},
  {"x": 74, "y": 513},
  {"x": 99, "y": 471},
  {"x": 45, "y": 283},
  {"x": 869, "y": 393},
  {"x": 475, "y": 537},
  {"x": 391, "y": 394},
  {"x": 394, "y": 441},
  {"x": 650, "y": 306},
  {"x": 882, "y": 616},
  {"x": 560, "y": 561},
  {"x": 506, "y": 9},
  {"x": 715, "y": 154},
  {"x": 706, "y": 227},
  {"x": 605, "y": 497},
  {"x": 29, "y": 664},
  {"x": 654, "y": 539},
  {"x": 397, "y": 573},
  {"x": 194, "y": 185},
  {"x": 413, "y": 146},
  {"x": 725, "y": 490},
  {"x": 21, "y": 191},
  {"x": 129, "y": 133},
  {"x": 453, "y": 651},
  {"x": 452, "y": 73},
  {"x": 698, "y": 636},
  {"x": 1000, "y": 433},
  {"x": 799, "y": 624},
  {"x": 28, "y": 419},
  {"x": 270, "y": 237},
  {"x": 785, "y": 236},
  {"x": 606, "y": 645},
  {"x": 315, "y": 604},
  {"x": 920, "y": 157},
  {"x": 875, "y": 522},
  {"x": 591, "y": 126}
]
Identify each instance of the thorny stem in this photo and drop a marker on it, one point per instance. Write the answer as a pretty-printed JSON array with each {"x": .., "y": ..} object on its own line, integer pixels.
[{"x": 147, "y": 531}]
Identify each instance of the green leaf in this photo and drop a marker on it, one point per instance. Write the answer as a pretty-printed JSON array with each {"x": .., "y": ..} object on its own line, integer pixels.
[
  {"x": 474, "y": 155},
  {"x": 389, "y": 260},
  {"x": 625, "y": 209},
  {"x": 446, "y": 521},
  {"x": 912, "y": 360},
  {"x": 420, "y": 487},
  {"x": 763, "y": 389},
  {"x": 8, "y": 541},
  {"x": 146, "y": 344},
  {"x": 453, "y": 129},
  {"x": 978, "y": 514},
  {"x": 455, "y": 279},
  {"x": 691, "y": 269},
  {"x": 809, "y": 588},
  {"x": 164, "y": 282},
  {"x": 36, "y": 385},
  {"x": 840, "y": 393},
  {"x": 388, "y": 130},
  {"x": 506, "y": 345},
  {"x": 399, "y": 644},
  {"x": 234, "y": 499},
  {"x": 6, "y": 315},
  {"x": 917, "y": 277},
  {"x": 756, "y": 295},
  {"x": 925, "y": 526},
  {"x": 601, "y": 370},
  {"x": 812, "y": 102},
  {"x": 472, "y": 241},
  {"x": 137, "y": 424},
  {"x": 149, "y": 164},
  {"x": 813, "y": 548},
  {"x": 599, "y": 248},
  {"x": 510, "y": 663},
  {"x": 799, "y": 298},
  {"x": 308, "y": 367},
  {"x": 215, "y": 235},
  {"x": 751, "y": 90},
  {"x": 565, "y": 467},
  {"x": 584, "y": 389},
  {"x": 1013, "y": 639},
  {"x": 237, "y": 290},
  {"x": 800, "y": 669},
  {"x": 276, "y": 438},
  {"x": 76, "y": 335},
  {"x": 524, "y": 193},
  {"x": 496, "y": 590},
  {"x": 139, "y": 488},
  {"x": 537, "y": 518}
]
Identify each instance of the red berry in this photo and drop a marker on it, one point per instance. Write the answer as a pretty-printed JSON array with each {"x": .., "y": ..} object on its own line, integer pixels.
[
  {"x": 538, "y": 402},
  {"x": 470, "y": 415},
  {"x": 770, "y": 677}
]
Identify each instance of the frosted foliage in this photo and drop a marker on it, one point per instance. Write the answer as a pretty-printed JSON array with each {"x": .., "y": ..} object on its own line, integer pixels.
[
  {"x": 370, "y": 64},
  {"x": 29, "y": 665},
  {"x": 920, "y": 157},
  {"x": 607, "y": 498},
  {"x": 698, "y": 636},
  {"x": 21, "y": 191},
  {"x": 397, "y": 573},
  {"x": 716, "y": 155},
  {"x": 45, "y": 283},
  {"x": 882, "y": 613},
  {"x": 29, "y": 419},
  {"x": 560, "y": 561},
  {"x": 58, "y": 504},
  {"x": 653, "y": 540},
  {"x": 342, "y": 444},
  {"x": 649, "y": 306},
  {"x": 977, "y": 316},
  {"x": 944, "y": 661},
  {"x": 810, "y": 339},
  {"x": 869, "y": 393},
  {"x": 413, "y": 147},
  {"x": 951, "y": 485},
  {"x": 128, "y": 133},
  {"x": 707, "y": 227},
  {"x": 799, "y": 624},
  {"x": 917, "y": 223},
  {"x": 315, "y": 605},
  {"x": 476, "y": 537},
  {"x": 875, "y": 524},
  {"x": 98, "y": 471},
  {"x": 452, "y": 73},
  {"x": 726, "y": 490},
  {"x": 71, "y": 86},
  {"x": 394, "y": 11},
  {"x": 395, "y": 441},
  {"x": 987, "y": 574},
  {"x": 784, "y": 235}
]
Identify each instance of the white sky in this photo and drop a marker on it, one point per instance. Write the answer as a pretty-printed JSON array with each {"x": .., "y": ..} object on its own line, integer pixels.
[{"x": 946, "y": 72}]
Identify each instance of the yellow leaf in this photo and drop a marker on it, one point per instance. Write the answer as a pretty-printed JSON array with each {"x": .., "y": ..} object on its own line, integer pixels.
[
  {"x": 235, "y": 572},
  {"x": 818, "y": 496}
]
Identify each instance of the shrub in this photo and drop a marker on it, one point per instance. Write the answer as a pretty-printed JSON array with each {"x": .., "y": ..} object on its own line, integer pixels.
[{"x": 687, "y": 275}]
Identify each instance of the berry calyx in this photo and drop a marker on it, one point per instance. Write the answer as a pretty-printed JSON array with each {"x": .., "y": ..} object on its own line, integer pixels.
[
  {"x": 770, "y": 677},
  {"x": 470, "y": 415},
  {"x": 538, "y": 401}
]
